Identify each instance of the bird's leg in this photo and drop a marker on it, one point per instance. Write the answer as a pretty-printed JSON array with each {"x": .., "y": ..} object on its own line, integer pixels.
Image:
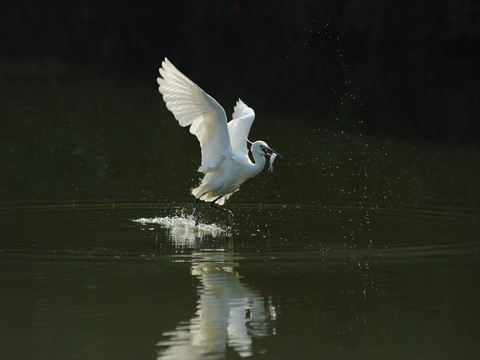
[
  {"x": 196, "y": 211},
  {"x": 215, "y": 206}
]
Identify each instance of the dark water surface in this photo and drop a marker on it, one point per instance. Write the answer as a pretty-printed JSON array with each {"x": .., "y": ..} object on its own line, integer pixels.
[{"x": 354, "y": 247}]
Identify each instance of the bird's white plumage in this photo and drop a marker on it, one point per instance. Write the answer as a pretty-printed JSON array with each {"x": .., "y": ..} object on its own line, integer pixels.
[
  {"x": 193, "y": 107},
  {"x": 239, "y": 127},
  {"x": 225, "y": 160}
]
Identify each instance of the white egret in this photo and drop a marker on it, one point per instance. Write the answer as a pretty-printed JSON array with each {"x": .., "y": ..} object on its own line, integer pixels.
[{"x": 225, "y": 160}]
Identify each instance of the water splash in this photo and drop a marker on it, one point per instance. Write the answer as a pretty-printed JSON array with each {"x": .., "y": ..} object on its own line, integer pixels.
[{"x": 182, "y": 228}]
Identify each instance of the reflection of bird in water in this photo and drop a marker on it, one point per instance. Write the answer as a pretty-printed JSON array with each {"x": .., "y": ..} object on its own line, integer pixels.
[
  {"x": 225, "y": 160},
  {"x": 228, "y": 314}
]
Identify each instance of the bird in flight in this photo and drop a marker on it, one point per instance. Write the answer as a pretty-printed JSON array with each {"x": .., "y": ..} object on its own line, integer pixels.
[{"x": 225, "y": 160}]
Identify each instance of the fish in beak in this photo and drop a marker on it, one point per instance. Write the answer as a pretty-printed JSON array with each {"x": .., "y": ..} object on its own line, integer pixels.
[{"x": 273, "y": 155}]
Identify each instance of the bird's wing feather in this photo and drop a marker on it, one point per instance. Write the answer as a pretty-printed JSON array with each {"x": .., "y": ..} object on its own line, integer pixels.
[
  {"x": 239, "y": 127},
  {"x": 193, "y": 107}
]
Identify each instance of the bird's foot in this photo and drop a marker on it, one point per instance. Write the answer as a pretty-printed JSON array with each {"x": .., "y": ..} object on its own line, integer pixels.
[
  {"x": 196, "y": 211},
  {"x": 230, "y": 214}
]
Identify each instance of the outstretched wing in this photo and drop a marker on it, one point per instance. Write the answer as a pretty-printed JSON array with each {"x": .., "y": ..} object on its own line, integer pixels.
[
  {"x": 193, "y": 107},
  {"x": 239, "y": 127}
]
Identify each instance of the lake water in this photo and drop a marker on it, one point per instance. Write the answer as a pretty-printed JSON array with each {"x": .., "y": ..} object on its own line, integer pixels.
[{"x": 354, "y": 246}]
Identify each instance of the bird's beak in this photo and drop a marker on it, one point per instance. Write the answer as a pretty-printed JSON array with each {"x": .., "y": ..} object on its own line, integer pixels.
[{"x": 269, "y": 151}]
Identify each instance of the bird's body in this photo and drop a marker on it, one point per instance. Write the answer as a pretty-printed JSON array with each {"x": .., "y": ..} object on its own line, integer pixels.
[
  {"x": 225, "y": 181},
  {"x": 225, "y": 160}
]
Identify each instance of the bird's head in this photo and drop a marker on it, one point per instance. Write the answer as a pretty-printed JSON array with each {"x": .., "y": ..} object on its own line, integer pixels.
[{"x": 261, "y": 148}]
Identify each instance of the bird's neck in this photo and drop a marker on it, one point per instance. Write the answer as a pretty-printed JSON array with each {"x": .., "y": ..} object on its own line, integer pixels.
[{"x": 259, "y": 163}]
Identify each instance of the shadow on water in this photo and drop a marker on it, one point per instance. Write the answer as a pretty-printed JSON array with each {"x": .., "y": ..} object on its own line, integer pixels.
[{"x": 229, "y": 313}]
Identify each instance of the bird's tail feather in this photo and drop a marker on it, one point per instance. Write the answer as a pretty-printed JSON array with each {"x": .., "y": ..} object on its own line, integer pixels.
[{"x": 202, "y": 193}]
